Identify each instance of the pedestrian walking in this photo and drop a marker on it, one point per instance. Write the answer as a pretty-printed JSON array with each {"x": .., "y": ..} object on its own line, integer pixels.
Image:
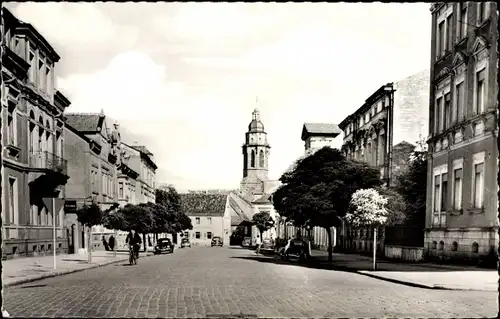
[
  {"x": 258, "y": 242},
  {"x": 112, "y": 243},
  {"x": 105, "y": 243}
]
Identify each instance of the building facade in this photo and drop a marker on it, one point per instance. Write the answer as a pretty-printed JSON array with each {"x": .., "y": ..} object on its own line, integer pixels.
[
  {"x": 318, "y": 135},
  {"x": 92, "y": 165},
  {"x": 208, "y": 215},
  {"x": 461, "y": 219},
  {"x": 136, "y": 183},
  {"x": 141, "y": 160},
  {"x": 33, "y": 161},
  {"x": 394, "y": 114},
  {"x": 384, "y": 132}
]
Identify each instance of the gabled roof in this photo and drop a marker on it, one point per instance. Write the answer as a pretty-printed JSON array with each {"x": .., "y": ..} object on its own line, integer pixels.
[
  {"x": 196, "y": 204},
  {"x": 320, "y": 129},
  {"x": 85, "y": 122},
  {"x": 264, "y": 199}
]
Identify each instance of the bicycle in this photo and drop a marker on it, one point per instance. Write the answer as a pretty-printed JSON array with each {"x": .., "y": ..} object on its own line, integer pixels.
[{"x": 132, "y": 256}]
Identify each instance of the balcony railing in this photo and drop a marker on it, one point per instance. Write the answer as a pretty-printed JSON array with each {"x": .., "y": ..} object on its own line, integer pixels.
[{"x": 48, "y": 161}]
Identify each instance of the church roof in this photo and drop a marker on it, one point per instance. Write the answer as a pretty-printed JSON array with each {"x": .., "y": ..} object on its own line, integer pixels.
[
  {"x": 320, "y": 129},
  {"x": 241, "y": 210},
  {"x": 256, "y": 125},
  {"x": 264, "y": 199}
]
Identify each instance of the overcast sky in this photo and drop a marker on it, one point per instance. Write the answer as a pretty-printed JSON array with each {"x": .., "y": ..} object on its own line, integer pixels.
[{"x": 183, "y": 77}]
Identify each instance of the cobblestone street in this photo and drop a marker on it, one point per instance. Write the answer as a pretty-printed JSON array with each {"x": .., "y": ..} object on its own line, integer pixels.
[{"x": 202, "y": 282}]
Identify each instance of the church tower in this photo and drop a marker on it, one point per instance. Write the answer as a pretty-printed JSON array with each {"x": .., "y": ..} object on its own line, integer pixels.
[{"x": 255, "y": 157}]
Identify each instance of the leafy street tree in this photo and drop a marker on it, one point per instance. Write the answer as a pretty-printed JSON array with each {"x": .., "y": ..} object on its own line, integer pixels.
[
  {"x": 263, "y": 221},
  {"x": 318, "y": 189},
  {"x": 138, "y": 217},
  {"x": 90, "y": 215},
  {"x": 368, "y": 208},
  {"x": 170, "y": 211},
  {"x": 396, "y": 205},
  {"x": 412, "y": 184}
]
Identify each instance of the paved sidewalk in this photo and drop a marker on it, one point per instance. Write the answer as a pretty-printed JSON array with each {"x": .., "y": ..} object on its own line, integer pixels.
[
  {"x": 27, "y": 269},
  {"x": 425, "y": 275}
]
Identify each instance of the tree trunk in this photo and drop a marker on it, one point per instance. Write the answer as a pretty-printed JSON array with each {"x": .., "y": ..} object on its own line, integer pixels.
[
  {"x": 89, "y": 244},
  {"x": 330, "y": 243},
  {"x": 374, "y": 248},
  {"x": 144, "y": 242}
]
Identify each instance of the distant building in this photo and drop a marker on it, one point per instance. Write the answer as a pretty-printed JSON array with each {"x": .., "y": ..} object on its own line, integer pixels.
[
  {"x": 318, "y": 135},
  {"x": 141, "y": 160},
  {"x": 462, "y": 202},
  {"x": 209, "y": 217},
  {"x": 256, "y": 188},
  {"x": 33, "y": 160},
  {"x": 315, "y": 136},
  {"x": 395, "y": 113}
]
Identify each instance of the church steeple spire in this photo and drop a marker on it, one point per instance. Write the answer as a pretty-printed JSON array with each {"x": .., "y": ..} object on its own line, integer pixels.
[{"x": 256, "y": 150}]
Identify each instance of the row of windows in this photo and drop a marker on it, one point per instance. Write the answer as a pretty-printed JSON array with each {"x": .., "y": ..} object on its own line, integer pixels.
[
  {"x": 107, "y": 185},
  {"x": 41, "y": 68},
  {"x": 447, "y": 35},
  {"x": 441, "y": 202},
  {"x": 454, "y": 246},
  {"x": 198, "y": 220},
  {"x": 365, "y": 118},
  {"x": 197, "y": 235},
  {"x": 449, "y": 111}
]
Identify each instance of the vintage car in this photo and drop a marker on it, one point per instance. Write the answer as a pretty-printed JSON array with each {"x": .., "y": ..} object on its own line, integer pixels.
[
  {"x": 185, "y": 243},
  {"x": 164, "y": 245},
  {"x": 267, "y": 247},
  {"x": 217, "y": 241},
  {"x": 296, "y": 252},
  {"x": 246, "y": 242}
]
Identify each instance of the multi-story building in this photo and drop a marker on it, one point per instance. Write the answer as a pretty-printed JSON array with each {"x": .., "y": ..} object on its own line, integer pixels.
[
  {"x": 318, "y": 135},
  {"x": 92, "y": 164},
  {"x": 136, "y": 182},
  {"x": 141, "y": 160},
  {"x": 461, "y": 219},
  {"x": 32, "y": 157},
  {"x": 208, "y": 215},
  {"x": 383, "y": 132},
  {"x": 394, "y": 114}
]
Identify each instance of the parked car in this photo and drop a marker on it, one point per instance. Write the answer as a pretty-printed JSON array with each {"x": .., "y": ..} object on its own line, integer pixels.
[
  {"x": 297, "y": 252},
  {"x": 267, "y": 247},
  {"x": 185, "y": 243},
  {"x": 164, "y": 245},
  {"x": 246, "y": 242},
  {"x": 217, "y": 241}
]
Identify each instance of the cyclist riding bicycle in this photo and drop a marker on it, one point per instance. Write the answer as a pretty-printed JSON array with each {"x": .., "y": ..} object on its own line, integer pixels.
[{"x": 134, "y": 241}]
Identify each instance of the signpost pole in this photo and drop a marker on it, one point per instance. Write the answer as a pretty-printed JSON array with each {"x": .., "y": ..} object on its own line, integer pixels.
[{"x": 54, "y": 228}]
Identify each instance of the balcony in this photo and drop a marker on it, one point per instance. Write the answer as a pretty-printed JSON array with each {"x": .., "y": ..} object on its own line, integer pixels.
[{"x": 47, "y": 161}]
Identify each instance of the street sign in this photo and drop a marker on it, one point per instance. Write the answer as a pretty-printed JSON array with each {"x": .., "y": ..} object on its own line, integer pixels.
[
  {"x": 70, "y": 206},
  {"x": 58, "y": 203}
]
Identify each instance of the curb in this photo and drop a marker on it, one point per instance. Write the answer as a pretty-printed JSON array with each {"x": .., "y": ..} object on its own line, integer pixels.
[
  {"x": 395, "y": 281},
  {"x": 412, "y": 284},
  {"x": 61, "y": 273}
]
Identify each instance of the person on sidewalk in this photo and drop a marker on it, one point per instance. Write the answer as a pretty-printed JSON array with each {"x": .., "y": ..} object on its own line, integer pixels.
[
  {"x": 258, "y": 242},
  {"x": 134, "y": 239},
  {"x": 112, "y": 243}
]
